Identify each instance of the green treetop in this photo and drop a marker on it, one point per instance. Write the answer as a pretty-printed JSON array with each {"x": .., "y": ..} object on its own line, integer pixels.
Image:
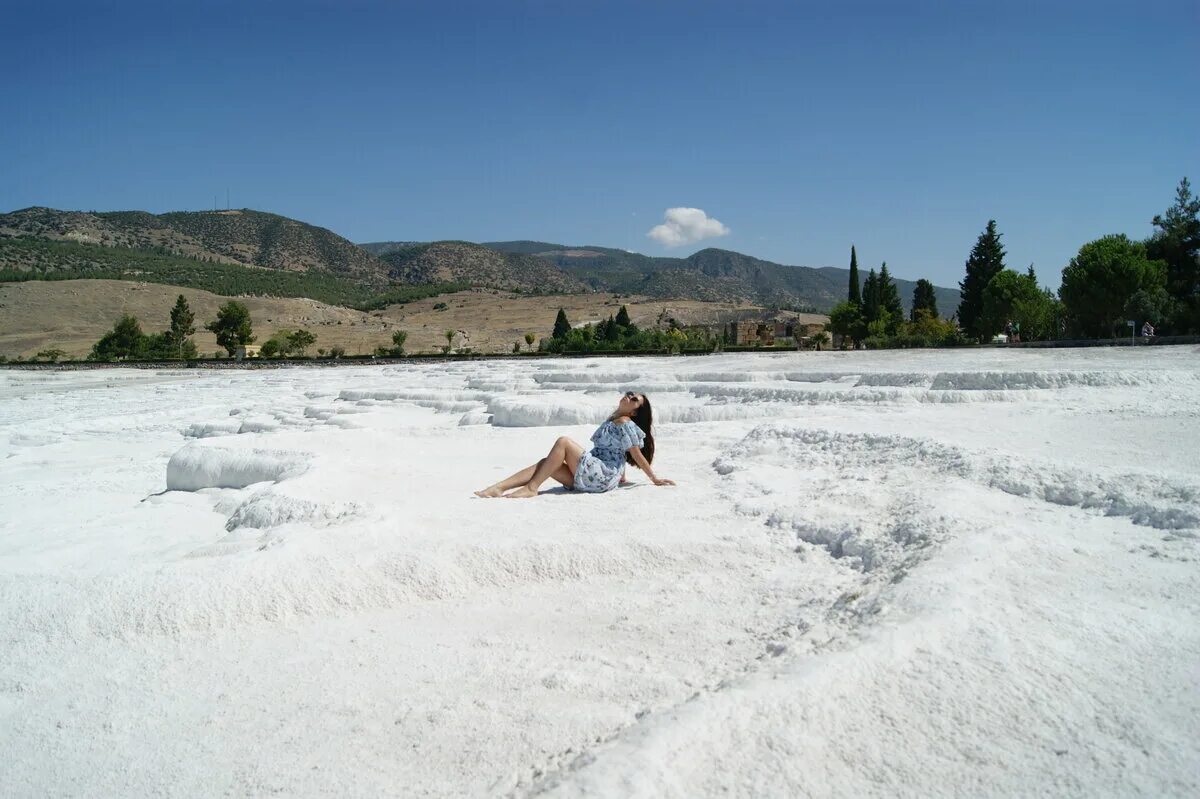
[
  {"x": 891, "y": 309},
  {"x": 182, "y": 328},
  {"x": 985, "y": 262},
  {"x": 871, "y": 299},
  {"x": 855, "y": 293},
  {"x": 1176, "y": 241},
  {"x": 924, "y": 300},
  {"x": 561, "y": 326},
  {"x": 1101, "y": 280},
  {"x": 125, "y": 340},
  {"x": 232, "y": 326}
]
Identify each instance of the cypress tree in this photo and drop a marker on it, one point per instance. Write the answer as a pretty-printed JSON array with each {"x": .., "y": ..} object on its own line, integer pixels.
[
  {"x": 985, "y": 262},
  {"x": 623, "y": 317},
  {"x": 870, "y": 298},
  {"x": 855, "y": 295},
  {"x": 613, "y": 331},
  {"x": 561, "y": 326},
  {"x": 924, "y": 299},
  {"x": 889, "y": 297}
]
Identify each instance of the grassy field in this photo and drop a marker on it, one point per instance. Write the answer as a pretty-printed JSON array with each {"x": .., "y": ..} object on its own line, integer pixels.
[{"x": 72, "y": 314}]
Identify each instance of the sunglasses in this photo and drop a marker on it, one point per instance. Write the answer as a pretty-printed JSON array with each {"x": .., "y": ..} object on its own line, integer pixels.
[{"x": 632, "y": 396}]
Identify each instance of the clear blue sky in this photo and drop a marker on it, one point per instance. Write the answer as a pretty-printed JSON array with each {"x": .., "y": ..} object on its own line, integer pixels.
[{"x": 802, "y": 127}]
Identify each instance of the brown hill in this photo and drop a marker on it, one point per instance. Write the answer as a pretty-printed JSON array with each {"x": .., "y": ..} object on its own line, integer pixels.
[{"x": 72, "y": 314}]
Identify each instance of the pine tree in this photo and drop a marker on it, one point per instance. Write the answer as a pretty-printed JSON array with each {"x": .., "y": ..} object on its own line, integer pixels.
[
  {"x": 870, "y": 298},
  {"x": 1177, "y": 242},
  {"x": 232, "y": 326},
  {"x": 612, "y": 332},
  {"x": 182, "y": 327},
  {"x": 125, "y": 340},
  {"x": 855, "y": 295},
  {"x": 985, "y": 262},
  {"x": 889, "y": 300},
  {"x": 924, "y": 300},
  {"x": 561, "y": 326},
  {"x": 623, "y": 317}
]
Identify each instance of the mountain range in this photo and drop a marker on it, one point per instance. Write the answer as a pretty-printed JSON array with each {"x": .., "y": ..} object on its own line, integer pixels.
[{"x": 45, "y": 242}]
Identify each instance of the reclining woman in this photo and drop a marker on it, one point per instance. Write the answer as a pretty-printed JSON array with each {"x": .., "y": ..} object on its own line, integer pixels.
[{"x": 625, "y": 437}]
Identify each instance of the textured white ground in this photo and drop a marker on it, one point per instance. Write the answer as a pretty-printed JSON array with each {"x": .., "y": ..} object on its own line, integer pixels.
[{"x": 924, "y": 574}]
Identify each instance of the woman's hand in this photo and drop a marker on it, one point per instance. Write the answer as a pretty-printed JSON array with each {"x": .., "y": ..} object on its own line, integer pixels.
[{"x": 662, "y": 481}]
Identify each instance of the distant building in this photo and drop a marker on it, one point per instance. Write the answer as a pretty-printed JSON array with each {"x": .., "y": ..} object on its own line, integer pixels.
[
  {"x": 752, "y": 332},
  {"x": 247, "y": 351}
]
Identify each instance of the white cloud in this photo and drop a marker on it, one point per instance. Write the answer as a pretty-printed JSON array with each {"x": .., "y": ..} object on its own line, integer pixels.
[{"x": 685, "y": 226}]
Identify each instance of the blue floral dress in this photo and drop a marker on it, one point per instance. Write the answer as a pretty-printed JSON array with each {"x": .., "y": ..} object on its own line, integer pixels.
[{"x": 600, "y": 470}]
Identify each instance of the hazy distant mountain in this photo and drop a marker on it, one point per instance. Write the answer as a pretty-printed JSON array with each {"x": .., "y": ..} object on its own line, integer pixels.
[
  {"x": 117, "y": 243},
  {"x": 710, "y": 274},
  {"x": 474, "y": 264}
]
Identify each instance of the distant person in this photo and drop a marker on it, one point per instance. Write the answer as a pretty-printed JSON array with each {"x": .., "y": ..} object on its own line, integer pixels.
[
  {"x": 1016, "y": 332},
  {"x": 625, "y": 437},
  {"x": 1008, "y": 331},
  {"x": 1147, "y": 329}
]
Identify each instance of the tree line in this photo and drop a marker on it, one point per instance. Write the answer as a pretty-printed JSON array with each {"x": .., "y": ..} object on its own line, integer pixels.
[
  {"x": 232, "y": 327},
  {"x": 619, "y": 334},
  {"x": 1110, "y": 281}
]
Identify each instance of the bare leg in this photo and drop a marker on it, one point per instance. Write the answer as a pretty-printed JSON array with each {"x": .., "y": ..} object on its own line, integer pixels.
[
  {"x": 564, "y": 476},
  {"x": 512, "y": 481},
  {"x": 564, "y": 454}
]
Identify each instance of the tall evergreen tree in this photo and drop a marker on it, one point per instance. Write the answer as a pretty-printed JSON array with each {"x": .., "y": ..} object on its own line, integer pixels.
[
  {"x": 871, "y": 300},
  {"x": 889, "y": 298},
  {"x": 561, "y": 326},
  {"x": 855, "y": 295},
  {"x": 1177, "y": 242},
  {"x": 182, "y": 327},
  {"x": 623, "y": 317},
  {"x": 924, "y": 300},
  {"x": 985, "y": 262}
]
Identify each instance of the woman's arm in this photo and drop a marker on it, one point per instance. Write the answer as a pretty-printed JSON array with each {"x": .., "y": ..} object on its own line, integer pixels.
[{"x": 644, "y": 465}]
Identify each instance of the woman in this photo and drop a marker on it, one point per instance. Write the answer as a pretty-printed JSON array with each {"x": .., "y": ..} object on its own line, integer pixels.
[{"x": 625, "y": 437}]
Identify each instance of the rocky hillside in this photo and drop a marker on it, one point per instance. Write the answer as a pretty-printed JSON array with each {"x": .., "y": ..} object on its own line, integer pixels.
[
  {"x": 380, "y": 248},
  {"x": 101, "y": 244},
  {"x": 476, "y": 265},
  {"x": 710, "y": 274},
  {"x": 243, "y": 237}
]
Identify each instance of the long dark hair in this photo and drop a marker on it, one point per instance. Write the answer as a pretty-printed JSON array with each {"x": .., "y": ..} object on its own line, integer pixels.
[{"x": 643, "y": 417}]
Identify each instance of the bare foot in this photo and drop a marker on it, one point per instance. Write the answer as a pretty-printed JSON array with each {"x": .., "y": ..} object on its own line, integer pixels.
[
  {"x": 489, "y": 493},
  {"x": 524, "y": 492}
]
